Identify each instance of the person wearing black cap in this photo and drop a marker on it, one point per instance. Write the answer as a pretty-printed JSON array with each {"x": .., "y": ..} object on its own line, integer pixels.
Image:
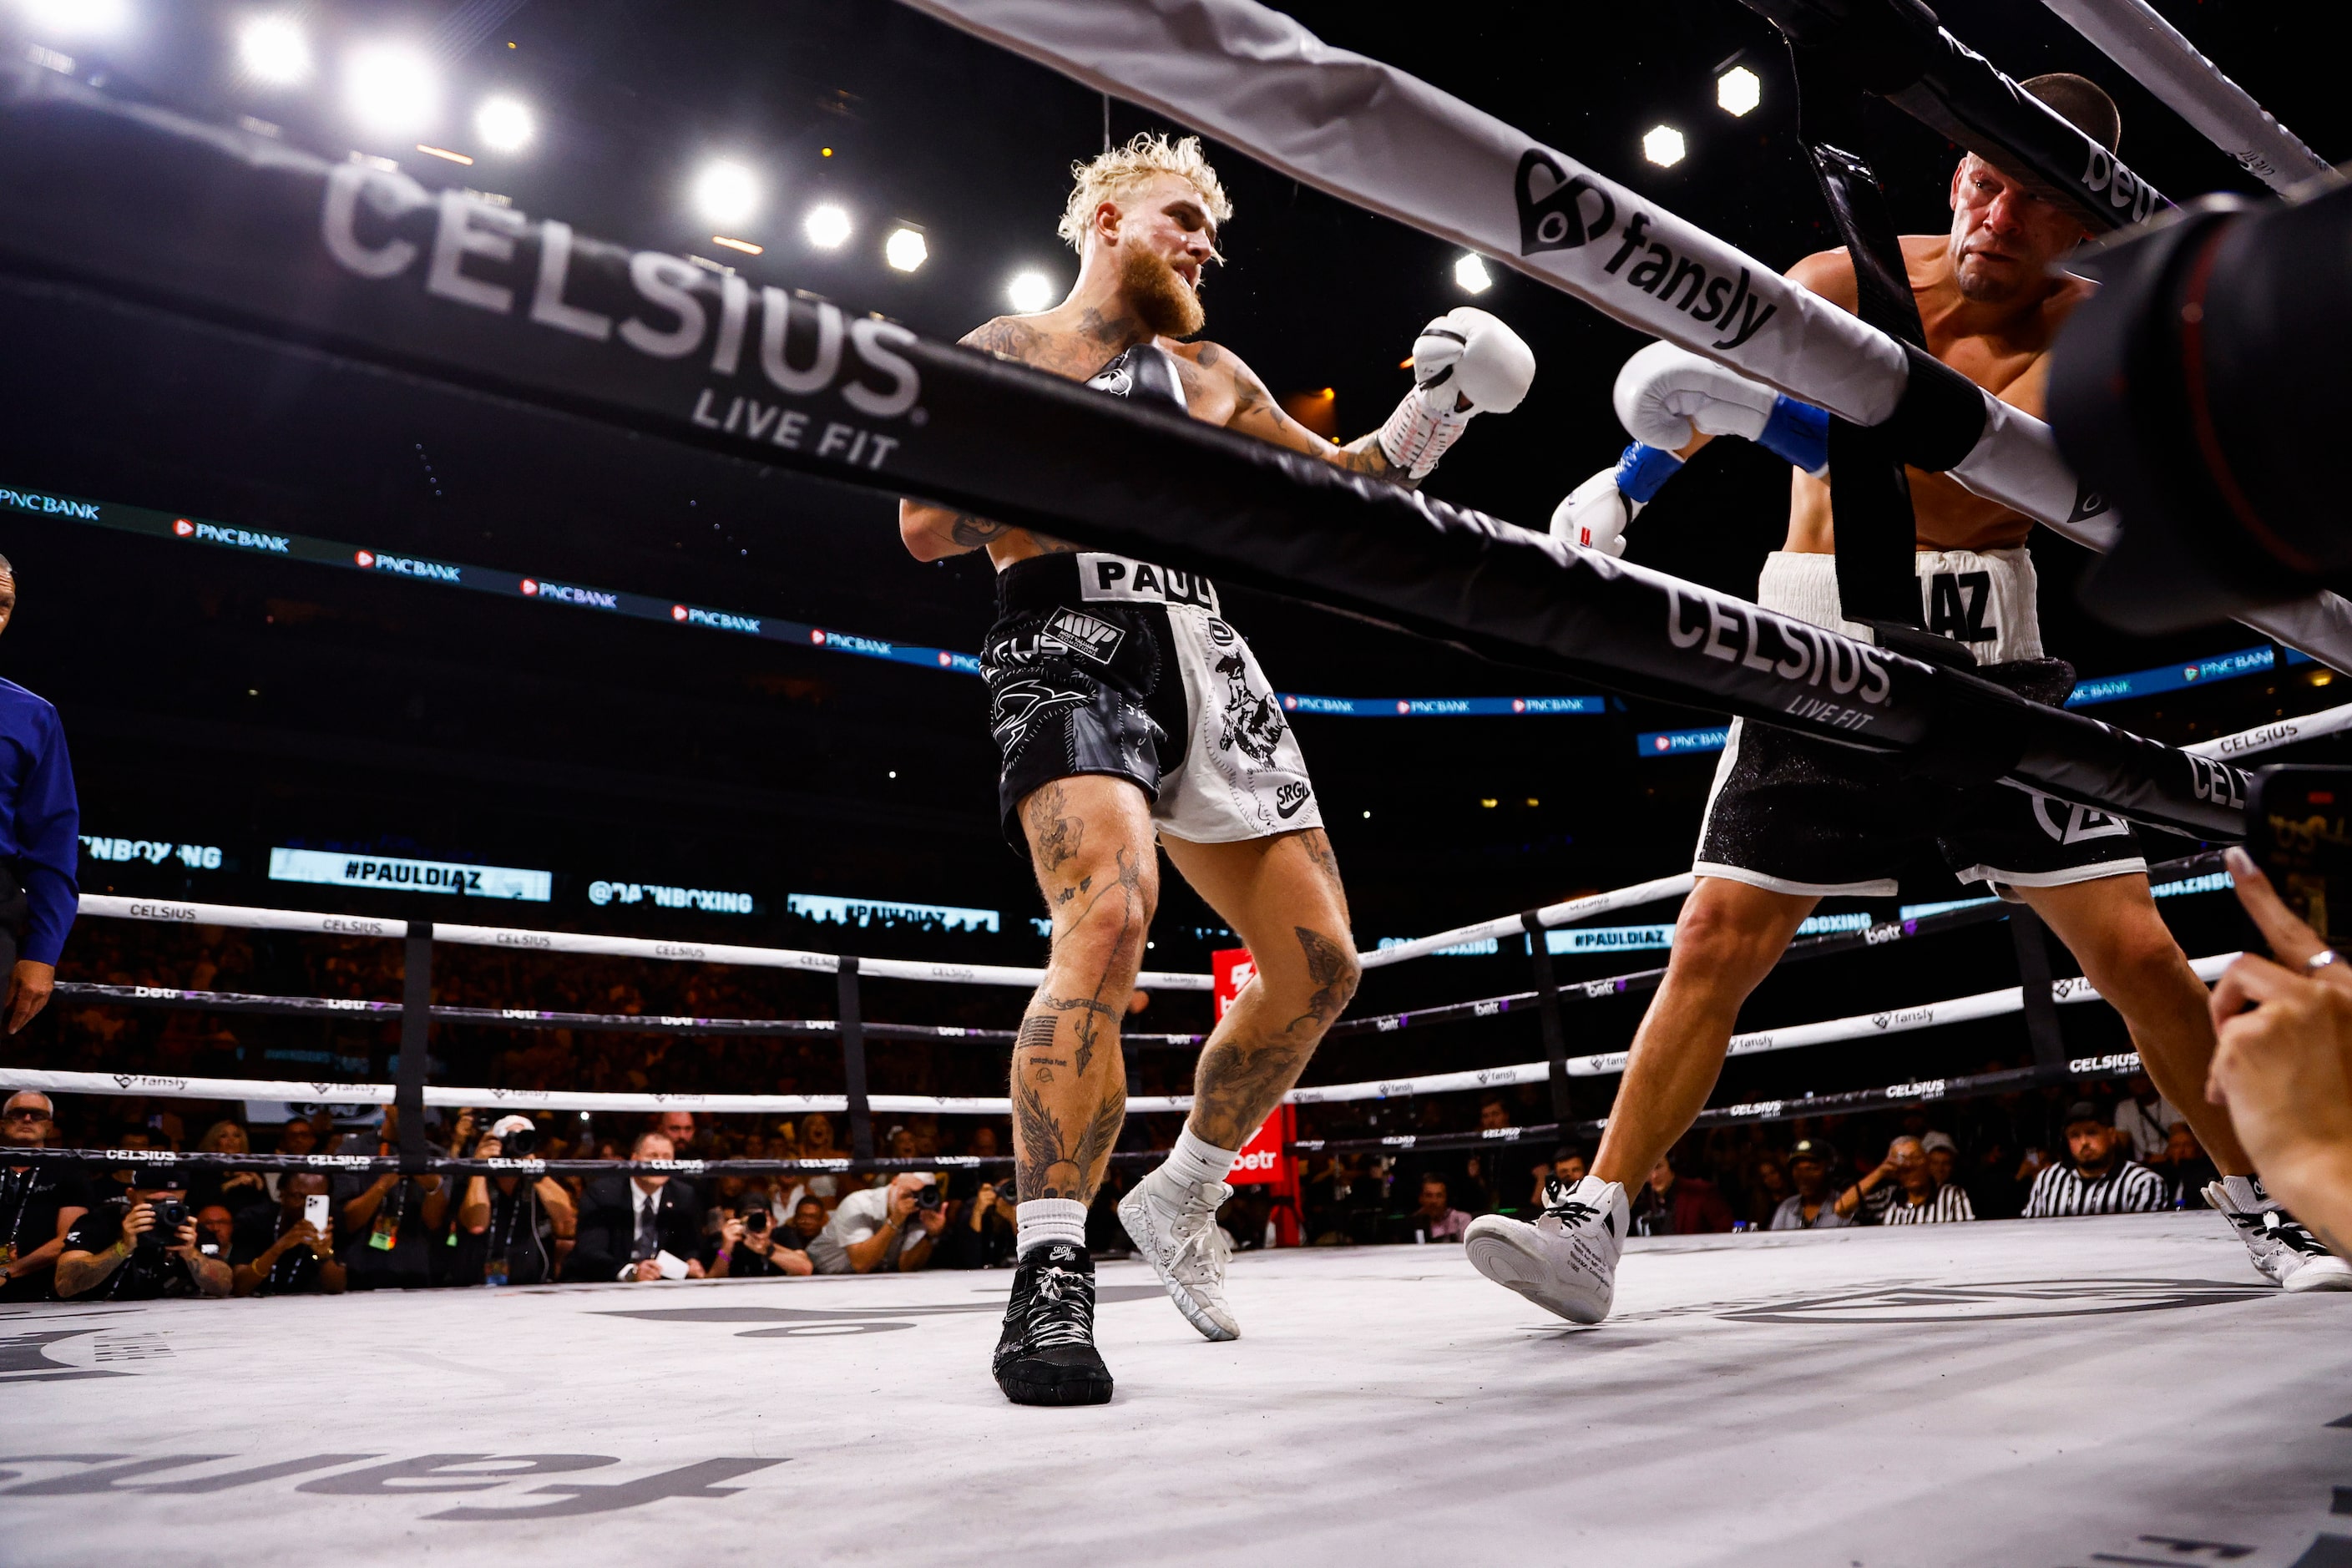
[
  {"x": 2096, "y": 1181},
  {"x": 122, "y": 1251},
  {"x": 1792, "y": 820}
]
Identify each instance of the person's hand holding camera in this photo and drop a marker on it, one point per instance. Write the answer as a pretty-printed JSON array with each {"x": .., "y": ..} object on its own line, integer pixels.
[
  {"x": 488, "y": 1149},
  {"x": 2283, "y": 1064},
  {"x": 184, "y": 1248},
  {"x": 903, "y": 1202},
  {"x": 137, "y": 1221}
]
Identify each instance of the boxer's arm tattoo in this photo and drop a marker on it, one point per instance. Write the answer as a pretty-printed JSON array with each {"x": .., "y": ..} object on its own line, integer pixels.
[
  {"x": 1013, "y": 339},
  {"x": 972, "y": 531}
]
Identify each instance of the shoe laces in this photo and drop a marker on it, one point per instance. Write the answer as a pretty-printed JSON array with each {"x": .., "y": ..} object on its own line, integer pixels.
[
  {"x": 1202, "y": 1251},
  {"x": 2291, "y": 1232},
  {"x": 1062, "y": 1312}
]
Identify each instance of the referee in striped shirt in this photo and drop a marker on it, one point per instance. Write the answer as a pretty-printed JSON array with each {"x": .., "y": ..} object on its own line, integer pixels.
[{"x": 2098, "y": 1182}]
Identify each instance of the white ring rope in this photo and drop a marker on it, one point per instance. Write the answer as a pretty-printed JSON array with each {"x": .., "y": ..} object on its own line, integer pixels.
[
  {"x": 1370, "y": 134},
  {"x": 1892, "y": 1021},
  {"x": 2131, "y": 34},
  {"x": 173, "y": 911}
]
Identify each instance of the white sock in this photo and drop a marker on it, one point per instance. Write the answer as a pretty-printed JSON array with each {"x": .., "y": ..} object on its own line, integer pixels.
[
  {"x": 1040, "y": 1220},
  {"x": 2246, "y": 1192},
  {"x": 1197, "y": 1162}
]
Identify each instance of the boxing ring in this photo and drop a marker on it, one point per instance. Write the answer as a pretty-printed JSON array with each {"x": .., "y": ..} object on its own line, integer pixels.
[{"x": 1773, "y": 1397}]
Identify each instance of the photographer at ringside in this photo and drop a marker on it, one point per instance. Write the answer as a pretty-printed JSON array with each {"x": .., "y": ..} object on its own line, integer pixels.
[
  {"x": 2283, "y": 1066},
  {"x": 870, "y": 1229},
  {"x": 138, "y": 1246},
  {"x": 507, "y": 1228},
  {"x": 746, "y": 1247},
  {"x": 386, "y": 1223}
]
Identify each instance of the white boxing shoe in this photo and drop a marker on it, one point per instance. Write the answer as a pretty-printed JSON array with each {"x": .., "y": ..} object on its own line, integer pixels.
[
  {"x": 2282, "y": 1248},
  {"x": 1566, "y": 1262},
  {"x": 1175, "y": 1226}
]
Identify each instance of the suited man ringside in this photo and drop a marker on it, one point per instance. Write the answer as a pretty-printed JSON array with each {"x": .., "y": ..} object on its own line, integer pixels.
[{"x": 624, "y": 1220}]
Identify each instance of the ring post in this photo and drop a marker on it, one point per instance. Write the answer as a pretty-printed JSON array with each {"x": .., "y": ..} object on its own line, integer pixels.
[
  {"x": 2025, "y": 929},
  {"x": 853, "y": 1064},
  {"x": 415, "y": 1025},
  {"x": 1555, "y": 1036}
]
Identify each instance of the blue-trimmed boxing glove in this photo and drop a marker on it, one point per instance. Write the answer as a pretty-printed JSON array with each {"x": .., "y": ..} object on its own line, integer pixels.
[
  {"x": 1667, "y": 395},
  {"x": 1597, "y": 513}
]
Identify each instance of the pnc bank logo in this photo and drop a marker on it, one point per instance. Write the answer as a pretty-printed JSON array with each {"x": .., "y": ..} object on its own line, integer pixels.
[{"x": 183, "y": 528}]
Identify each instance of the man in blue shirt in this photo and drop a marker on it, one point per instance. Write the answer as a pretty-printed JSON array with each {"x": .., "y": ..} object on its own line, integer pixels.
[{"x": 40, "y": 831}]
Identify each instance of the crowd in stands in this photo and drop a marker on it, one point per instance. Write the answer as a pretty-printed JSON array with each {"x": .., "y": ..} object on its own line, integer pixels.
[{"x": 137, "y": 1231}]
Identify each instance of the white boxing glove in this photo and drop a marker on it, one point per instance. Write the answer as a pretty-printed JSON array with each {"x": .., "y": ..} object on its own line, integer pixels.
[
  {"x": 1666, "y": 394},
  {"x": 1466, "y": 362},
  {"x": 1595, "y": 515}
]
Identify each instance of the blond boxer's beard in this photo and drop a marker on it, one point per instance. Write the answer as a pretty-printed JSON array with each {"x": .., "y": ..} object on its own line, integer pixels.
[{"x": 1159, "y": 295}]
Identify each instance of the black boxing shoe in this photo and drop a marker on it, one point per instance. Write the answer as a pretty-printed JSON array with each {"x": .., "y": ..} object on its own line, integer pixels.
[{"x": 1046, "y": 1354}]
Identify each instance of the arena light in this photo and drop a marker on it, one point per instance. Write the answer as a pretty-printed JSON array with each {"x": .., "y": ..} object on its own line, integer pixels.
[
  {"x": 1030, "y": 292},
  {"x": 904, "y": 249},
  {"x": 726, "y": 192},
  {"x": 505, "y": 124},
  {"x": 1737, "y": 91},
  {"x": 274, "y": 50},
  {"x": 1663, "y": 145},
  {"x": 1471, "y": 273},
  {"x": 391, "y": 89},
  {"x": 826, "y": 227},
  {"x": 77, "y": 18}
]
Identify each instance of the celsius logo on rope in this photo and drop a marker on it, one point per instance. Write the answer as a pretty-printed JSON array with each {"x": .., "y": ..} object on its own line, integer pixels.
[
  {"x": 1756, "y": 640},
  {"x": 1553, "y": 208},
  {"x": 381, "y": 225}
]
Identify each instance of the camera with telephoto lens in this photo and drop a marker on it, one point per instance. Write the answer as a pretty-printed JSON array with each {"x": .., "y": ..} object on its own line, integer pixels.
[
  {"x": 2187, "y": 392},
  {"x": 928, "y": 1200},
  {"x": 756, "y": 1221},
  {"x": 171, "y": 1214}
]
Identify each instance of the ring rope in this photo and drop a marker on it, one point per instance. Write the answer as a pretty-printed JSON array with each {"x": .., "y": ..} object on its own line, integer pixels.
[
  {"x": 2152, "y": 50},
  {"x": 1258, "y": 80}
]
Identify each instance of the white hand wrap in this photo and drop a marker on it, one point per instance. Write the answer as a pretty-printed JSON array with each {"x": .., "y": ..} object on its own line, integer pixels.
[
  {"x": 1595, "y": 515},
  {"x": 1466, "y": 355},
  {"x": 1666, "y": 394}
]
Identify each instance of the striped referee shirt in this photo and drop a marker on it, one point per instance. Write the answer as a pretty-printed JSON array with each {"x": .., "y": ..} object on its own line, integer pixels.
[
  {"x": 1949, "y": 1204},
  {"x": 2130, "y": 1188}
]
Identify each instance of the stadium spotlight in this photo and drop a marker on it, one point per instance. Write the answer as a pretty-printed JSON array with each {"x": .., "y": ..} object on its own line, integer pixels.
[
  {"x": 274, "y": 50},
  {"x": 1471, "y": 273},
  {"x": 904, "y": 249},
  {"x": 826, "y": 227},
  {"x": 1739, "y": 89},
  {"x": 391, "y": 89},
  {"x": 1030, "y": 292},
  {"x": 1663, "y": 145},
  {"x": 504, "y": 124},
  {"x": 726, "y": 192}
]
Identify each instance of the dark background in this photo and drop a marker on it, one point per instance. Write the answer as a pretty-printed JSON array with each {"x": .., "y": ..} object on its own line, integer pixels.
[{"x": 219, "y": 698}]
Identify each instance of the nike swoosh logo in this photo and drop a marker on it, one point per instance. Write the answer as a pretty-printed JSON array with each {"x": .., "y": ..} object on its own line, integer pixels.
[{"x": 1288, "y": 812}]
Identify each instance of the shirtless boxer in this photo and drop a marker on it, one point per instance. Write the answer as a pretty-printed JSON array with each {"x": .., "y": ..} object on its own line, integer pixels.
[
  {"x": 1123, "y": 707},
  {"x": 1792, "y": 820}
]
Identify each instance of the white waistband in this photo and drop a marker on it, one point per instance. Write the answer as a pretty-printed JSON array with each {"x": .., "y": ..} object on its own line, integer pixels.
[{"x": 1985, "y": 599}]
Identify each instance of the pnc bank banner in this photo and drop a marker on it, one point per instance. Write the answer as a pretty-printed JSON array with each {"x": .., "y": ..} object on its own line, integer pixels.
[{"x": 335, "y": 868}]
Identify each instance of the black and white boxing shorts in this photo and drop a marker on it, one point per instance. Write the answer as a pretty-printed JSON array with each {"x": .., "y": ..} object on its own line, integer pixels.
[
  {"x": 1800, "y": 816},
  {"x": 1099, "y": 664}
]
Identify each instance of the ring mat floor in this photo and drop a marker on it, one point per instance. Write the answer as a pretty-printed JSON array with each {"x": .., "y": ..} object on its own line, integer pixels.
[{"x": 2051, "y": 1394}]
